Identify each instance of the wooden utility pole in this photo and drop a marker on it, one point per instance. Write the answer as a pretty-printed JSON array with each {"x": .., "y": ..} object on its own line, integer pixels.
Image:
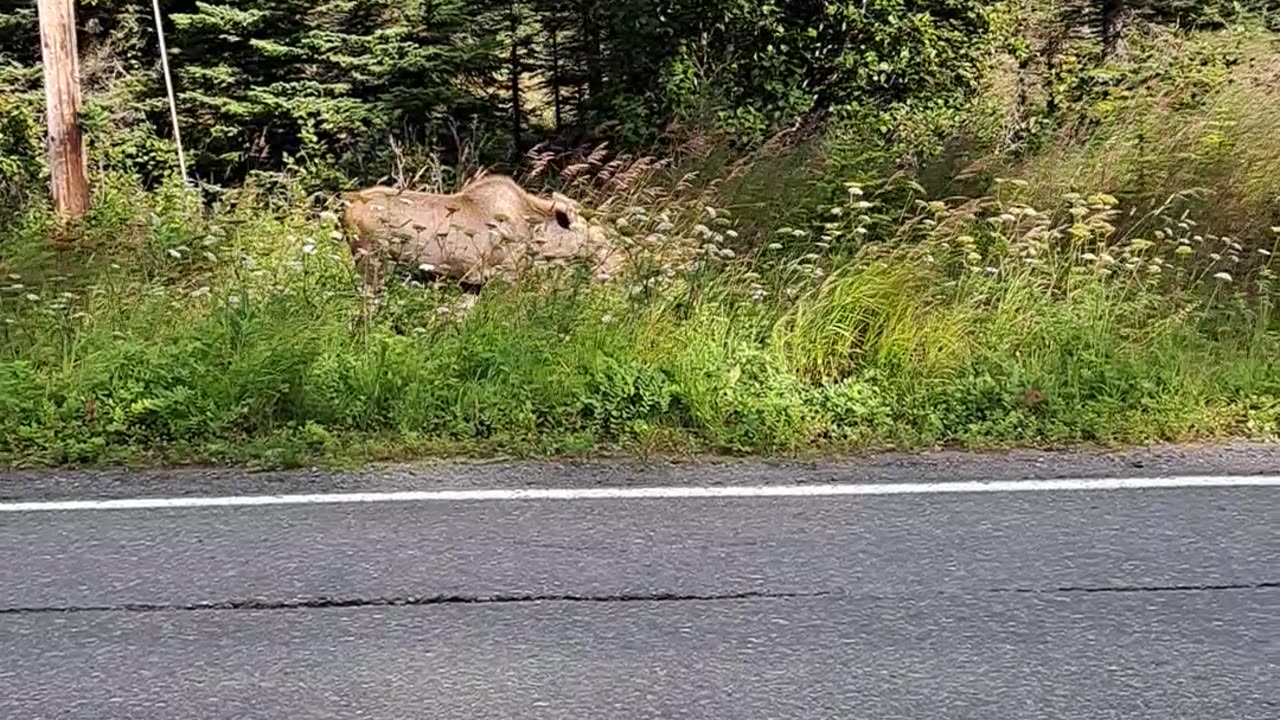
[
  {"x": 69, "y": 183},
  {"x": 516, "y": 123}
]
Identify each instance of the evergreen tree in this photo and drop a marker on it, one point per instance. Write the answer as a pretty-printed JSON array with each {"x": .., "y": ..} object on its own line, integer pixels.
[{"x": 265, "y": 80}]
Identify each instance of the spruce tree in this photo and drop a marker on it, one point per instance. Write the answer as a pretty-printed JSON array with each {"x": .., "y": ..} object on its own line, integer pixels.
[{"x": 265, "y": 80}]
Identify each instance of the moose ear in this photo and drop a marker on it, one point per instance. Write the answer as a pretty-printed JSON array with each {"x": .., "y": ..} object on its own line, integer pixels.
[{"x": 562, "y": 219}]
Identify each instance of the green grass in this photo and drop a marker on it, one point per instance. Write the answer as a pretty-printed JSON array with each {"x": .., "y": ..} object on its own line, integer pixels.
[
  {"x": 174, "y": 335},
  {"x": 1183, "y": 115}
]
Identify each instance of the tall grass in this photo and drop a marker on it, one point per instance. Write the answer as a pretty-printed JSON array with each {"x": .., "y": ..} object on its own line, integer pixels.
[
  {"x": 176, "y": 334},
  {"x": 1183, "y": 115}
]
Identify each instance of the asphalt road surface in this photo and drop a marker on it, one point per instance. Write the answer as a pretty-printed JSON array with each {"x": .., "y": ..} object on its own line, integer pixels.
[{"x": 1064, "y": 601}]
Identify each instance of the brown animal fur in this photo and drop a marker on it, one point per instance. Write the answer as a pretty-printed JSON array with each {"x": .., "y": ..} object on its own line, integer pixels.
[{"x": 489, "y": 227}]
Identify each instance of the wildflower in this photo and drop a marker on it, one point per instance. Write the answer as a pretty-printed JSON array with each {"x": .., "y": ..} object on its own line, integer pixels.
[
  {"x": 335, "y": 235},
  {"x": 200, "y": 292},
  {"x": 1088, "y": 257},
  {"x": 1183, "y": 250},
  {"x": 426, "y": 267},
  {"x": 775, "y": 246},
  {"x": 837, "y": 211},
  {"x": 784, "y": 231},
  {"x": 309, "y": 249},
  {"x": 328, "y": 216},
  {"x": 1222, "y": 276},
  {"x": 854, "y": 190},
  {"x": 32, "y": 297},
  {"x": 860, "y": 231},
  {"x": 727, "y": 253},
  {"x": 16, "y": 287},
  {"x": 15, "y": 276},
  {"x": 606, "y": 318},
  {"x": 174, "y": 253},
  {"x": 1264, "y": 252},
  {"x": 862, "y": 205},
  {"x": 1215, "y": 257},
  {"x": 991, "y": 270}
]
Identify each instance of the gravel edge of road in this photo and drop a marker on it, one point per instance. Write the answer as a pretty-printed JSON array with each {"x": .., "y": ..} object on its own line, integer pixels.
[{"x": 1239, "y": 458}]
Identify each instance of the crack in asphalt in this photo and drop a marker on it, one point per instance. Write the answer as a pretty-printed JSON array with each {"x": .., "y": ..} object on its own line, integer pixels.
[
  {"x": 412, "y": 601},
  {"x": 407, "y": 601},
  {"x": 1138, "y": 588}
]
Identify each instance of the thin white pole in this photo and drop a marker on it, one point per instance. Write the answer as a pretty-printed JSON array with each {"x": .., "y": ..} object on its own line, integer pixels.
[{"x": 168, "y": 82}]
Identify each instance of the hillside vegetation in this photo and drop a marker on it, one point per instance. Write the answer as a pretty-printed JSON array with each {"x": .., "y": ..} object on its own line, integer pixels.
[{"x": 880, "y": 224}]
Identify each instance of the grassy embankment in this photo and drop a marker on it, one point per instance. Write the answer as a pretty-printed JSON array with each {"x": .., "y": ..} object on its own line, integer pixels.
[{"x": 1117, "y": 285}]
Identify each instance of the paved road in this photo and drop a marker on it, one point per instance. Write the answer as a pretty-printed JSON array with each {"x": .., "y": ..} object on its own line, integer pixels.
[{"x": 1153, "y": 603}]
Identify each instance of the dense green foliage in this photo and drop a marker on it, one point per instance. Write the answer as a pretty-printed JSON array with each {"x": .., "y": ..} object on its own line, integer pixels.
[
  {"x": 267, "y": 85},
  {"x": 264, "y": 84},
  {"x": 851, "y": 224}
]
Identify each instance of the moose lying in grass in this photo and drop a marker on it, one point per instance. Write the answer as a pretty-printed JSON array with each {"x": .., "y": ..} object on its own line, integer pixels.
[{"x": 491, "y": 227}]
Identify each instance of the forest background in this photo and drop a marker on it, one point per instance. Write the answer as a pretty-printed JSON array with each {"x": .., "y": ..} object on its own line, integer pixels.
[{"x": 851, "y": 224}]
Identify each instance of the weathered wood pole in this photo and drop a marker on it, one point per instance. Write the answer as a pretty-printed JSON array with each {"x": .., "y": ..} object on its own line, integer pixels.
[{"x": 69, "y": 182}]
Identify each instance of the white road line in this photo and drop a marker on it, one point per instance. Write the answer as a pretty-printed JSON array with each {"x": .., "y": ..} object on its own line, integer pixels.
[{"x": 654, "y": 493}]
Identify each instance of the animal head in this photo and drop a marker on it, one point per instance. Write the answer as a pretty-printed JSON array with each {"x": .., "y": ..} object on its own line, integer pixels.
[{"x": 565, "y": 210}]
